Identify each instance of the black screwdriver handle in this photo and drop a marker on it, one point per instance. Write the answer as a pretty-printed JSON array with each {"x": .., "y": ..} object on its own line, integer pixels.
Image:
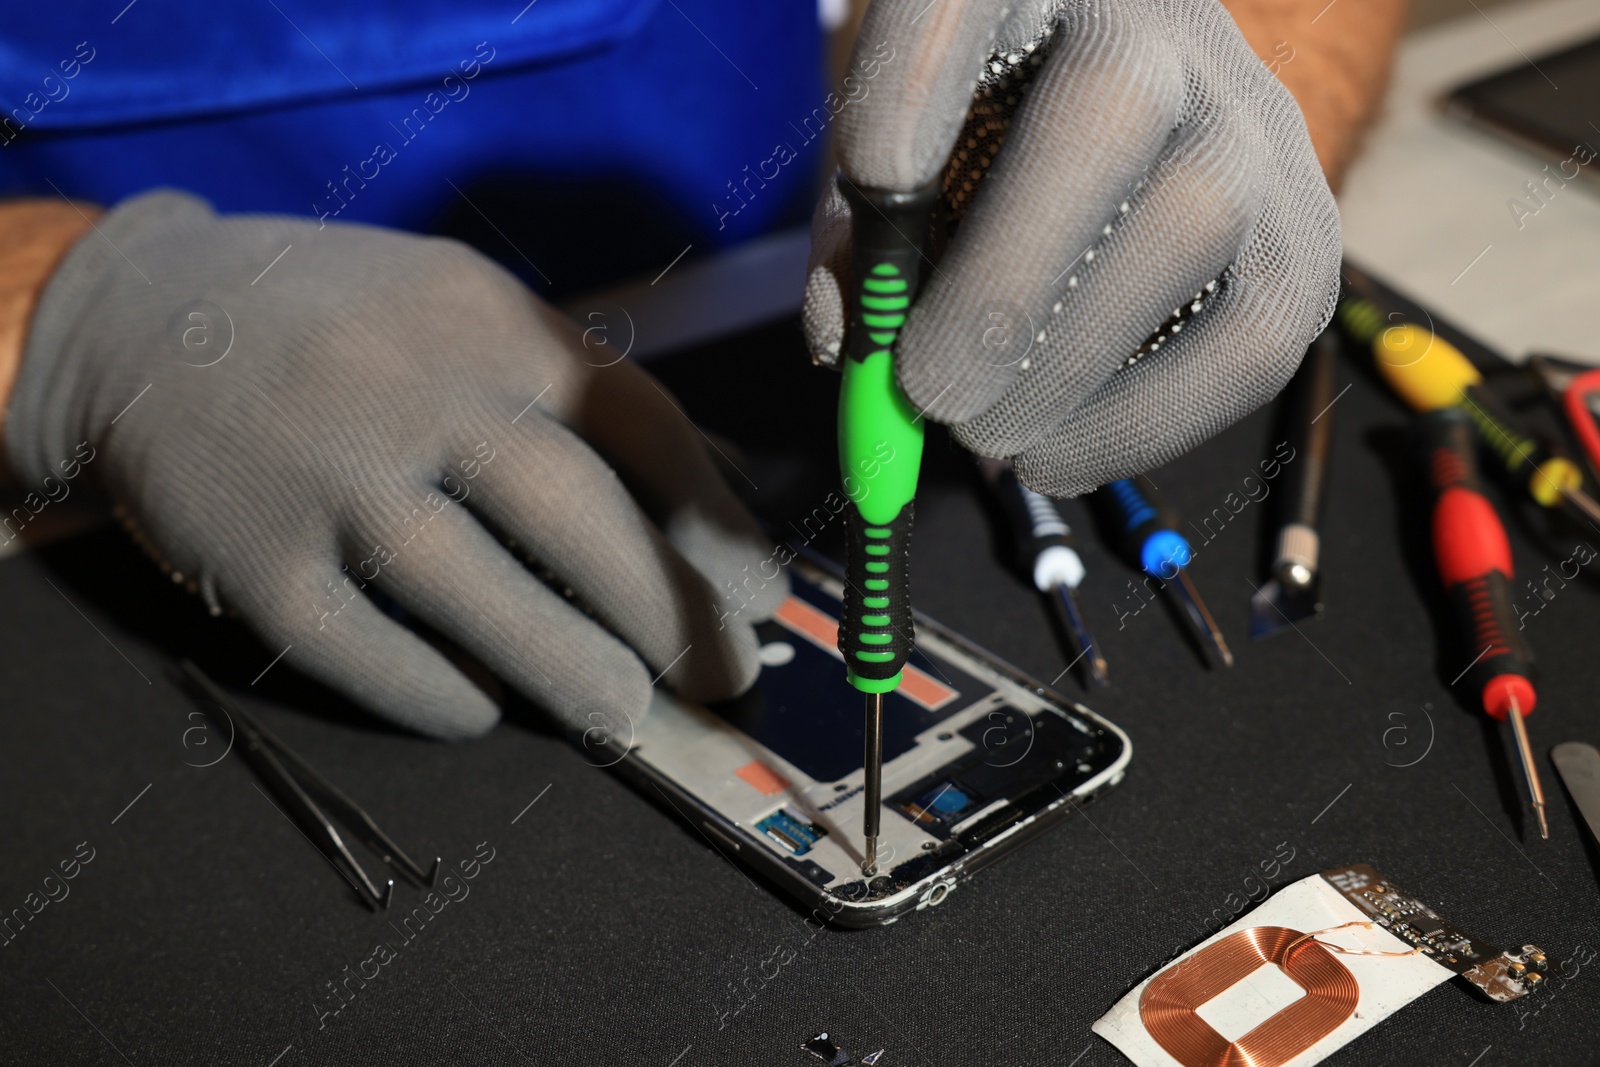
[{"x": 1296, "y": 556}]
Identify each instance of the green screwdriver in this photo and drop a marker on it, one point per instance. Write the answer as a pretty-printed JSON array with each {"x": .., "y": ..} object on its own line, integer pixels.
[{"x": 880, "y": 455}]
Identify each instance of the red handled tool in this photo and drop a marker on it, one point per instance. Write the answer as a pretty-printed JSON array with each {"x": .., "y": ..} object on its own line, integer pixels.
[
  {"x": 1474, "y": 560},
  {"x": 1579, "y": 403}
]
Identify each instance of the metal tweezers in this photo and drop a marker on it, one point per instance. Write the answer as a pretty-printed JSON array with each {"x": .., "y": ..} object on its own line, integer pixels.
[{"x": 299, "y": 786}]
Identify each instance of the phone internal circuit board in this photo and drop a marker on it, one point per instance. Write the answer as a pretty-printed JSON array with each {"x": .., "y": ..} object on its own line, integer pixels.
[{"x": 1499, "y": 974}]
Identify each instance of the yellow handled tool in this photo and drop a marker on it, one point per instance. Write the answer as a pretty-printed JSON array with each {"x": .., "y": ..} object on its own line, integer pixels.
[{"x": 1429, "y": 373}]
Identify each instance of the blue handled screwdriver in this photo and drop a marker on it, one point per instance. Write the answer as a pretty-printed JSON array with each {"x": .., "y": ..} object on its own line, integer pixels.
[{"x": 1162, "y": 552}]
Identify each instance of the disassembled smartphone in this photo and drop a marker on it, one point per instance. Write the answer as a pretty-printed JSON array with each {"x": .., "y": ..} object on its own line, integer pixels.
[{"x": 978, "y": 760}]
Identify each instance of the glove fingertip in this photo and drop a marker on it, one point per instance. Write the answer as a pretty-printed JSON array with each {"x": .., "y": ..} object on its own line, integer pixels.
[
  {"x": 745, "y": 568},
  {"x": 459, "y": 713},
  {"x": 720, "y": 666},
  {"x": 769, "y": 598},
  {"x": 822, "y": 317},
  {"x": 617, "y": 696},
  {"x": 827, "y": 278}
]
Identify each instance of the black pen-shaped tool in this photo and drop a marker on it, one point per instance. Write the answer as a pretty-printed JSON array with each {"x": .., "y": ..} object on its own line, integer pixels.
[
  {"x": 1293, "y": 590},
  {"x": 1046, "y": 547}
]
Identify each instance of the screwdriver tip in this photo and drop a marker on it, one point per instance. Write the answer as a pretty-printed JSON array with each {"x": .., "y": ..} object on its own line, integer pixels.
[
  {"x": 1095, "y": 663},
  {"x": 1200, "y": 617},
  {"x": 1544, "y": 825}
]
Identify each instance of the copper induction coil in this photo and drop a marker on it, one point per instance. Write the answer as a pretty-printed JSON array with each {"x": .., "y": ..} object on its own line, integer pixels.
[{"x": 1168, "y": 1006}]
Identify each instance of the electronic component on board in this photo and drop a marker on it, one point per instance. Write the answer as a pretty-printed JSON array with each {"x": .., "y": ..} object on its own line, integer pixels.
[
  {"x": 791, "y": 831},
  {"x": 1501, "y": 975},
  {"x": 944, "y": 803}
]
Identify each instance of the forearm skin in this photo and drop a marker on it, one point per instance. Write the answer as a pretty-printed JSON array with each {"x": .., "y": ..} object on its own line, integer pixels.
[
  {"x": 34, "y": 235},
  {"x": 1334, "y": 58}
]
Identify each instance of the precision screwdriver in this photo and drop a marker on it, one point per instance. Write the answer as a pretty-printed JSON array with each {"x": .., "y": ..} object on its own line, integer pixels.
[
  {"x": 1292, "y": 590},
  {"x": 1162, "y": 553},
  {"x": 1473, "y": 555},
  {"x": 1045, "y": 543},
  {"x": 880, "y": 456},
  {"x": 1430, "y": 373}
]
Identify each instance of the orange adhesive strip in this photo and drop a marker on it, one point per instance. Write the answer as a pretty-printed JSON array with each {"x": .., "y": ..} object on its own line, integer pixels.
[
  {"x": 822, "y": 630},
  {"x": 763, "y": 778}
]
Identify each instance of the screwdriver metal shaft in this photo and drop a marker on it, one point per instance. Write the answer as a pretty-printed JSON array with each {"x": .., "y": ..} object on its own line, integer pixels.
[
  {"x": 873, "y": 793},
  {"x": 1530, "y": 769},
  {"x": 1200, "y": 616},
  {"x": 1582, "y": 501},
  {"x": 1087, "y": 649}
]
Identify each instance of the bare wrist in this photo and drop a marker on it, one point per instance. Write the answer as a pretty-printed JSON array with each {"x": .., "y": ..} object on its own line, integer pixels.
[
  {"x": 1334, "y": 61},
  {"x": 34, "y": 235}
]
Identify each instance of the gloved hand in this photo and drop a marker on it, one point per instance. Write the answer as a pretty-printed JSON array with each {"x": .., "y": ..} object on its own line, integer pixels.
[
  {"x": 385, "y": 410},
  {"x": 1152, "y": 166}
]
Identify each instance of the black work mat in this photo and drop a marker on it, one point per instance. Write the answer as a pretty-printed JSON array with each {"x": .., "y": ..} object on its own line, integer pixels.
[{"x": 206, "y": 930}]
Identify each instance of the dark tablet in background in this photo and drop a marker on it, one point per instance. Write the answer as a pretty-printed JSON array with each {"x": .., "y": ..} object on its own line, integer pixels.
[{"x": 1549, "y": 105}]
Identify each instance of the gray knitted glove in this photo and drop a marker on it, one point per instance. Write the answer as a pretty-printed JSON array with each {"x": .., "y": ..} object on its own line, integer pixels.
[
  {"x": 381, "y": 410},
  {"x": 1157, "y": 197}
]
